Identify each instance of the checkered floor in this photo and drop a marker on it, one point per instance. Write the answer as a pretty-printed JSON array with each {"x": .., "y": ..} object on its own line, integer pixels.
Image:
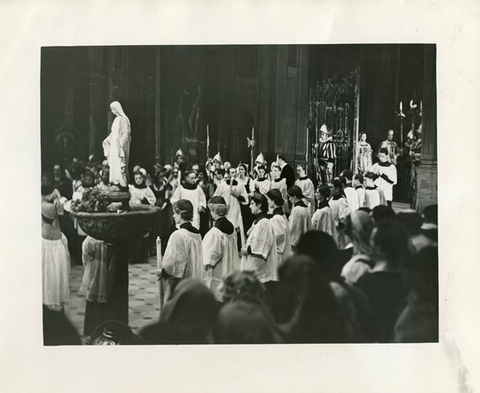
[{"x": 143, "y": 301}]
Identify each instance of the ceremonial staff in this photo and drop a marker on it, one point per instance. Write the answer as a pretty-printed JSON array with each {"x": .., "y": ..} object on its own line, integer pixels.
[
  {"x": 306, "y": 150},
  {"x": 208, "y": 144},
  {"x": 251, "y": 145}
]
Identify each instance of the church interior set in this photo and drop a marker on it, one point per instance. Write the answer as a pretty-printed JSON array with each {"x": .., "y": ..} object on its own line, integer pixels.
[
  {"x": 185, "y": 181},
  {"x": 173, "y": 94}
]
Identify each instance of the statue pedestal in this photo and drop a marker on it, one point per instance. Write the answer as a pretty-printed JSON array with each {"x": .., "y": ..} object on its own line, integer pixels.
[{"x": 118, "y": 229}]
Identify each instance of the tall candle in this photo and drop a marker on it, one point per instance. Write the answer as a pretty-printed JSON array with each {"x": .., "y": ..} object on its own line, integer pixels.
[
  {"x": 159, "y": 253},
  {"x": 401, "y": 107}
]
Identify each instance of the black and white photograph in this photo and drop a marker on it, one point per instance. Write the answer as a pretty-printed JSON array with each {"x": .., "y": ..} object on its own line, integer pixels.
[{"x": 239, "y": 196}]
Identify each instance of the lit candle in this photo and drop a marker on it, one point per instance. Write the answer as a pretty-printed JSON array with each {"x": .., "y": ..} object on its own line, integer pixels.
[
  {"x": 420, "y": 106},
  {"x": 253, "y": 133},
  {"x": 401, "y": 107},
  {"x": 159, "y": 253}
]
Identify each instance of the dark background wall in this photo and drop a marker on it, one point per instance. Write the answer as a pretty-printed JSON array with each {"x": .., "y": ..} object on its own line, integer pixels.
[{"x": 235, "y": 88}]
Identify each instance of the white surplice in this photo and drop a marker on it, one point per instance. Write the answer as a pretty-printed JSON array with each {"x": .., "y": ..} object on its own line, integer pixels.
[
  {"x": 196, "y": 196},
  {"x": 234, "y": 211},
  {"x": 262, "y": 258},
  {"x": 300, "y": 222},
  {"x": 220, "y": 252},
  {"x": 282, "y": 237},
  {"x": 184, "y": 255}
]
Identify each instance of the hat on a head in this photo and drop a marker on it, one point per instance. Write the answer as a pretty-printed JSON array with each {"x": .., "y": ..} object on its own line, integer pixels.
[
  {"x": 260, "y": 159},
  {"x": 218, "y": 205},
  {"x": 218, "y": 158}
]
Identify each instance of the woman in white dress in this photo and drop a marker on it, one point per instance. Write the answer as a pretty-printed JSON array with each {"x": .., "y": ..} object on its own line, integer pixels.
[
  {"x": 55, "y": 261},
  {"x": 116, "y": 147}
]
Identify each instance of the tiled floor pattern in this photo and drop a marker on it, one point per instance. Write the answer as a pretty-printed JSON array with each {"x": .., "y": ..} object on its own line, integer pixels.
[{"x": 143, "y": 296}]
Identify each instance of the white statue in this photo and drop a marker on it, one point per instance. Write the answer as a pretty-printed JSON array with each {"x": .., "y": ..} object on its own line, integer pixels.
[{"x": 116, "y": 147}]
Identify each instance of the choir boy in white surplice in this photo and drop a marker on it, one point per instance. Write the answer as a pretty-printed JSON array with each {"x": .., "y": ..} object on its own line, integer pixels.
[
  {"x": 359, "y": 188},
  {"x": 349, "y": 191},
  {"x": 184, "y": 254},
  {"x": 373, "y": 195},
  {"x": 234, "y": 195},
  {"x": 387, "y": 175},
  {"x": 300, "y": 221},
  {"x": 260, "y": 252},
  {"x": 192, "y": 192},
  {"x": 280, "y": 225},
  {"x": 340, "y": 210},
  {"x": 262, "y": 183},
  {"x": 322, "y": 219},
  {"x": 307, "y": 187},
  {"x": 220, "y": 253}
]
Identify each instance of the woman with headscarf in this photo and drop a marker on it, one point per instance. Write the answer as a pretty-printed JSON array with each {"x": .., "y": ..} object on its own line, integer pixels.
[
  {"x": 361, "y": 262},
  {"x": 184, "y": 254},
  {"x": 116, "y": 147},
  {"x": 220, "y": 254},
  {"x": 186, "y": 318},
  {"x": 305, "y": 307}
]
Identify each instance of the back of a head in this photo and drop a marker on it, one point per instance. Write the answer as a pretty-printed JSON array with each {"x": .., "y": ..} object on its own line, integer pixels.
[
  {"x": 185, "y": 208},
  {"x": 304, "y": 303},
  {"x": 411, "y": 219},
  {"x": 241, "y": 322},
  {"x": 383, "y": 212},
  {"x": 347, "y": 173},
  {"x": 430, "y": 214},
  {"x": 337, "y": 183},
  {"x": 241, "y": 285},
  {"x": 389, "y": 241},
  {"x": 191, "y": 310},
  {"x": 322, "y": 248}
]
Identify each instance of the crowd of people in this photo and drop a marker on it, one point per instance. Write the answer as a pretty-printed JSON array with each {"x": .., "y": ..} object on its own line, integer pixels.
[{"x": 252, "y": 255}]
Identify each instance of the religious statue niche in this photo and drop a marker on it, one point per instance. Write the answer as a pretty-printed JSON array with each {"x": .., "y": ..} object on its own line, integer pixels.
[
  {"x": 66, "y": 143},
  {"x": 188, "y": 112},
  {"x": 332, "y": 125}
]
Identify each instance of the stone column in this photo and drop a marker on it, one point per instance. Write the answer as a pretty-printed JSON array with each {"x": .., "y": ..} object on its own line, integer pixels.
[
  {"x": 97, "y": 107},
  {"x": 427, "y": 169}
]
